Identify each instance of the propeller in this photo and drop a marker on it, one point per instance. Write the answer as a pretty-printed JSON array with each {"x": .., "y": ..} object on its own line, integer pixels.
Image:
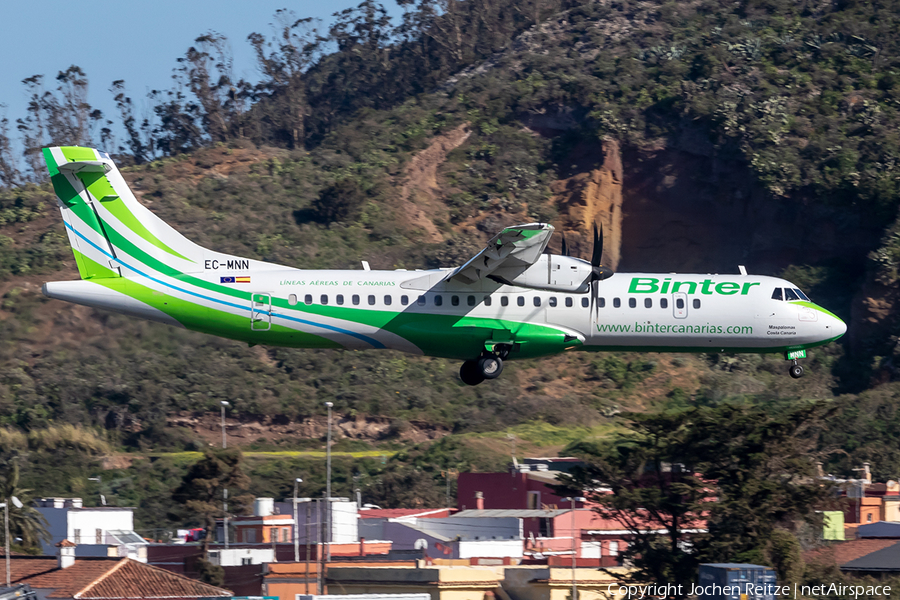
[
  {"x": 565, "y": 247},
  {"x": 598, "y": 271}
]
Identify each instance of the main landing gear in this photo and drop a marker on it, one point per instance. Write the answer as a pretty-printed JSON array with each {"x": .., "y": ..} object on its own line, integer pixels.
[{"x": 488, "y": 366}]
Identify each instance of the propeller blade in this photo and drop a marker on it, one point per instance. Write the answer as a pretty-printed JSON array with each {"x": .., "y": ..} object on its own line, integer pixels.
[
  {"x": 565, "y": 247},
  {"x": 597, "y": 253}
]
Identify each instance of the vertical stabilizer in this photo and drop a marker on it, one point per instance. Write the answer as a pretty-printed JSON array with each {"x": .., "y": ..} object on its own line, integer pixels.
[{"x": 106, "y": 223}]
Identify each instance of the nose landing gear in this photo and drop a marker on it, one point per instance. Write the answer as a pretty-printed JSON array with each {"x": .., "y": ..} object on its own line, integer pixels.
[
  {"x": 795, "y": 370},
  {"x": 488, "y": 366}
]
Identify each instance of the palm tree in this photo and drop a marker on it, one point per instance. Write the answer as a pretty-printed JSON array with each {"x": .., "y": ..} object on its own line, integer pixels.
[{"x": 26, "y": 523}]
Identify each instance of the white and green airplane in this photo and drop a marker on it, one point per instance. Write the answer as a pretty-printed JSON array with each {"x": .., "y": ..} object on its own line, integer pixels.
[{"x": 511, "y": 300}]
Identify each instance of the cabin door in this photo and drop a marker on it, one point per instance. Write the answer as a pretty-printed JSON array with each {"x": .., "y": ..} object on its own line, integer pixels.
[
  {"x": 260, "y": 311},
  {"x": 679, "y": 305}
]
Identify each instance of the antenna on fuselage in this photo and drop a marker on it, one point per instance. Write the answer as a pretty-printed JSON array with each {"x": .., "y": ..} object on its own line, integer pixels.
[{"x": 742, "y": 269}]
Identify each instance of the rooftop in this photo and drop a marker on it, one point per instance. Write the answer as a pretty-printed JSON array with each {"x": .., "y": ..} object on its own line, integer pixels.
[
  {"x": 394, "y": 513},
  {"x": 107, "y": 578}
]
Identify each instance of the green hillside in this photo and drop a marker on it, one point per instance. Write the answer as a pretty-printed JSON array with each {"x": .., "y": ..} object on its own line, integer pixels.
[{"x": 757, "y": 133}]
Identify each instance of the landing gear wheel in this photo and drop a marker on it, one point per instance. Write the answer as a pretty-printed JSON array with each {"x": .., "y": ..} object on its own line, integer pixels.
[
  {"x": 470, "y": 373},
  {"x": 490, "y": 366},
  {"x": 796, "y": 370}
]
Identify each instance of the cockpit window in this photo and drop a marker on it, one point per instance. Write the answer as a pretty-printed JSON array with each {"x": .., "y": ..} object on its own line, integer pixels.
[
  {"x": 790, "y": 295},
  {"x": 801, "y": 294},
  {"x": 776, "y": 295}
]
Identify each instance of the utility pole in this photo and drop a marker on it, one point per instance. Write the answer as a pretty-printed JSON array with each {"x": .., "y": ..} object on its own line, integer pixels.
[
  {"x": 224, "y": 403},
  {"x": 574, "y": 548},
  {"x": 296, "y": 532},
  {"x": 6, "y": 534},
  {"x": 225, "y": 510},
  {"x": 328, "y": 405},
  {"x": 306, "y": 579}
]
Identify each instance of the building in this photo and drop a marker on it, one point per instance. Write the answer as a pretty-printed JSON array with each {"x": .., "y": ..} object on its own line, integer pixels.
[
  {"x": 273, "y": 522},
  {"x": 103, "y": 578},
  {"x": 458, "y": 537},
  {"x": 876, "y": 556},
  {"x": 453, "y": 582},
  {"x": 95, "y": 531},
  {"x": 525, "y": 486},
  {"x": 372, "y": 520}
]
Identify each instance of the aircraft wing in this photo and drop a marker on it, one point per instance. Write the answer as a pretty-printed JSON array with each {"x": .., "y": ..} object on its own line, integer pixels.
[{"x": 518, "y": 246}]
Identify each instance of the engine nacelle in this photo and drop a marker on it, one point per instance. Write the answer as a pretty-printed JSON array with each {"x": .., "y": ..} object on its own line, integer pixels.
[{"x": 551, "y": 272}]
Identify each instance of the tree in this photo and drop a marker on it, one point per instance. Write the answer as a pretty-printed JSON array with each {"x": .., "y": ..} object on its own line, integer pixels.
[
  {"x": 284, "y": 60},
  {"x": 740, "y": 470},
  {"x": 25, "y": 523},
  {"x": 340, "y": 201},
  {"x": 9, "y": 171},
  {"x": 201, "y": 492}
]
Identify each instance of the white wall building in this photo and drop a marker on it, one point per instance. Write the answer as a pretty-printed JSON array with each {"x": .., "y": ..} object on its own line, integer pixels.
[
  {"x": 235, "y": 557},
  {"x": 453, "y": 537},
  {"x": 95, "y": 531}
]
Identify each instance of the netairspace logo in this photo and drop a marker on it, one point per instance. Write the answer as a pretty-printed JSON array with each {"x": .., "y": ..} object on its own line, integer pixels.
[{"x": 662, "y": 591}]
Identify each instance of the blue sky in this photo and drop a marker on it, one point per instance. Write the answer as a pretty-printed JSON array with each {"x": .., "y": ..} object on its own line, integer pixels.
[{"x": 135, "y": 41}]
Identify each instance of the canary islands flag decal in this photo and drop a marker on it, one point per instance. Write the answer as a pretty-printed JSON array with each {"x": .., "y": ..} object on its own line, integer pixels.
[{"x": 234, "y": 279}]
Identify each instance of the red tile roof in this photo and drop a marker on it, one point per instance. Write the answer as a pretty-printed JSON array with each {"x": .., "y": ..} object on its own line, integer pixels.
[
  {"x": 133, "y": 579},
  {"x": 107, "y": 578},
  {"x": 844, "y": 552}
]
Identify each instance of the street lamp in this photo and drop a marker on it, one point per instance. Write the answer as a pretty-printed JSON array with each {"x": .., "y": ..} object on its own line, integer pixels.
[
  {"x": 224, "y": 403},
  {"x": 297, "y": 482},
  {"x": 5, "y": 506},
  {"x": 329, "y": 406},
  {"x": 574, "y": 499}
]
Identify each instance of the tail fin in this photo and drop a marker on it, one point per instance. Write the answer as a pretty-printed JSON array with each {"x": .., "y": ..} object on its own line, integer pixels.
[{"x": 106, "y": 223}]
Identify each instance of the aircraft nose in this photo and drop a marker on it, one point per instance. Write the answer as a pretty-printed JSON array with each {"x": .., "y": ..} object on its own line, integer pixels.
[
  {"x": 837, "y": 328},
  {"x": 841, "y": 327}
]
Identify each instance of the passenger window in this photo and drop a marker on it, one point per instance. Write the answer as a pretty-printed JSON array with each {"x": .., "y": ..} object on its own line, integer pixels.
[
  {"x": 664, "y": 303},
  {"x": 371, "y": 300},
  {"x": 387, "y": 300},
  {"x": 438, "y": 300},
  {"x": 340, "y": 299},
  {"x": 292, "y": 299},
  {"x": 420, "y": 300},
  {"x": 487, "y": 300},
  {"x": 776, "y": 295},
  {"x": 470, "y": 300},
  {"x": 648, "y": 303},
  {"x": 569, "y": 303},
  {"x": 679, "y": 303},
  {"x": 355, "y": 299},
  {"x": 537, "y": 300},
  {"x": 617, "y": 303},
  {"x": 504, "y": 300},
  {"x": 601, "y": 302},
  {"x": 323, "y": 299},
  {"x": 404, "y": 300},
  {"x": 790, "y": 295},
  {"x": 632, "y": 303},
  {"x": 696, "y": 302},
  {"x": 520, "y": 300},
  {"x": 307, "y": 299},
  {"x": 801, "y": 294},
  {"x": 551, "y": 301},
  {"x": 585, "y": 303},
  {"x": 454, "y": 300}
]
